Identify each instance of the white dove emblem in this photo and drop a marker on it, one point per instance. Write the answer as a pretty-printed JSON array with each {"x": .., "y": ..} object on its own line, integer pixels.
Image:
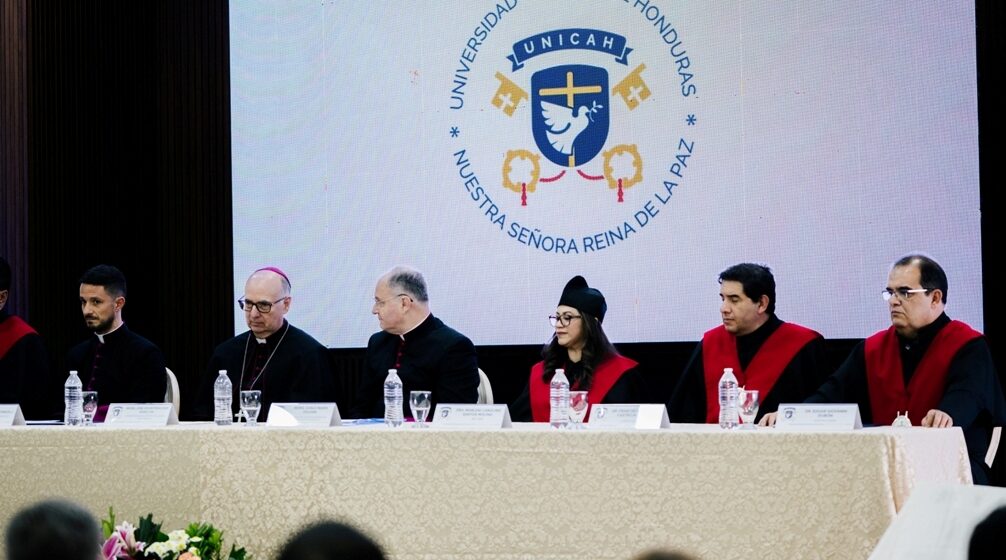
[{"x": 563, "y": 127}]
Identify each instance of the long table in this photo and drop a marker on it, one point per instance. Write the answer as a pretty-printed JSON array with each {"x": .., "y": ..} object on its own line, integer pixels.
[{"x": 526, "y": 492}]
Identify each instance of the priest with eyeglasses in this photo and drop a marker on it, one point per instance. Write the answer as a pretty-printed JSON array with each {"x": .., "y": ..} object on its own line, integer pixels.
[{"x": 272, "y": 356}]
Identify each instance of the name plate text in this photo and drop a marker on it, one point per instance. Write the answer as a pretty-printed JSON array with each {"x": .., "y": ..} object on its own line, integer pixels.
[
  {"x": 304, "y": 415},
  {"x": 628, "y": 416},
  {"x": 478, "y": 416},
  {"x": 140, "y": 415},
  {"x": 818, "y": 417},
  {"x": 10, "y": 415}
]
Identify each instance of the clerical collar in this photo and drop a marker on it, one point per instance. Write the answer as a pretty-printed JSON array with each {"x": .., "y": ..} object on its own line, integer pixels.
[
  {"x": 273, "y": 337},
  {"x": 244, "y": 360},
  {"x": 101, "y": 337},
  {"x": 416, "y": 328}
]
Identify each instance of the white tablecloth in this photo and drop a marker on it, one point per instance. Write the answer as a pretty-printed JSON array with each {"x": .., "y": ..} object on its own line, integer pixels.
[{"x": 526, "y": 492}]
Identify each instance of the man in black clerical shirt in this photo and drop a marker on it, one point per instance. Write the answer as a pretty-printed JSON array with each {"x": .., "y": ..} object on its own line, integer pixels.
[
  {"x": 122, "y": 366},
  {"x": 428, "y": 354},
  {"x": 273, "y": 356},
  {"x": 24, "y": 366}
]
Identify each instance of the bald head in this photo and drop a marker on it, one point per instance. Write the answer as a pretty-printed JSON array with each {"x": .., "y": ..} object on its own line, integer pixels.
[
  {"x": 271, "y": 275},
  {"x": 270, "y": 289}
]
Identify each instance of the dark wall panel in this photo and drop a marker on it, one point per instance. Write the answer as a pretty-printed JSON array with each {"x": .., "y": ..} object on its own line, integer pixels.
[{"x": 129, "y": 159}]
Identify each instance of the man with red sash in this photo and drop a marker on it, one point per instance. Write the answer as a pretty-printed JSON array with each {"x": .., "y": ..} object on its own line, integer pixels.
[
  {"x": 24, "y": 366},
  {"x": 783, "y": 361},
  {"x": 580, "y": 347},
  {"x": 938, "y": 370}
]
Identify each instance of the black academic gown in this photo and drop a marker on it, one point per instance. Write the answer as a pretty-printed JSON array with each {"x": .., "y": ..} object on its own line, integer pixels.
[
  {"x": 300, "y": 370},
  {"x": 123, "y": 368},
  {"x": 434, "y": 357},
  {"x": 973, "y": 396},
  {"x": 25, "y": 378},
  {"x": 802, "y": 376},
  {"x": 631, "y": 388}
]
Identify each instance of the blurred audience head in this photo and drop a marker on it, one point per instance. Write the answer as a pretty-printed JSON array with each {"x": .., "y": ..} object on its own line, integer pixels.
[
  {"x": 987, "y": 538},
  {"x": 330, "y": 540},
  {"x": 53, "y": 529},
  {"x": 663, "y": 554}
]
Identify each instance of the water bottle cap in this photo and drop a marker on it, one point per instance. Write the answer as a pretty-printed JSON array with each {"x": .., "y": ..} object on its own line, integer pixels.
[
  {"x": 73, "y": 372},
  {"x": 560, "y": 370},
  {"x": 222, "y": 372},
  {"x": 392, "y": 370}
]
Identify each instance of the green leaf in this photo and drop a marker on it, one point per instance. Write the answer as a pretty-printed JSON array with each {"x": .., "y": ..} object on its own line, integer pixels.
[
  {"x": 149, "y": 532},
  {"x": 238, "y": 554},
  {"x": 108, "y": 525}
]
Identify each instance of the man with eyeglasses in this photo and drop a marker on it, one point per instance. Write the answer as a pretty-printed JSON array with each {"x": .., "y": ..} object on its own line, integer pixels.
[
  {"x": 429, "y": 355},
  {"x": 122, "y": 366},
  {"x": 273, "y": 356},
  {"x": 782, "y": 360},
  {"x": 24, "y": 365},
  {"x": 938, "y": 370}
]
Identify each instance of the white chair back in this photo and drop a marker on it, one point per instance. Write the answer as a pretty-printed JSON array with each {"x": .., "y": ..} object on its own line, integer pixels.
[
  {"x": 172, "y": 394},
  {"x": 485, "y": 389}
]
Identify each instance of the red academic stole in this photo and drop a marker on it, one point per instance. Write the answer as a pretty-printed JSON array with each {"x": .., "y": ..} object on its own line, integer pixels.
[
  {"x": 719, "y": 350},
  {"x": 605, "y": 377},
  {"x": 886, "y": 382},
  {"x": 11, "y": 331}
]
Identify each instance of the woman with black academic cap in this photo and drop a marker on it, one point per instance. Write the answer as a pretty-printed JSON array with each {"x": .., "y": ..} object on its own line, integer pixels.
[{"x": 580, "y": 347}]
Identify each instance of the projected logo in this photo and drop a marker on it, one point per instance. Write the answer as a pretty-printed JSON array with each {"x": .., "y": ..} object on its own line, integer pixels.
[{"x": 557, "y": 123}]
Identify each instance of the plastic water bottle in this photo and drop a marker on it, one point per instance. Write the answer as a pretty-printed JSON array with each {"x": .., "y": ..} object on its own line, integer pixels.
[
  {"x": 558, "y": 397},
  {"x": 73, "y": 413},
  {"x": 393, "y": 399},
  {"x": 223, "y": 394},
  {"x": 728, "y": 399}
]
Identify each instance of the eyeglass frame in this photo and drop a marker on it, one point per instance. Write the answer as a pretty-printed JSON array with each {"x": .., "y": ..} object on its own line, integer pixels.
[
  {"x": 562, "y": 320},
  {"x": 258, "y": 305},
  {"x": 380, "y": 302},
  {"x": 903, "y": 294}
]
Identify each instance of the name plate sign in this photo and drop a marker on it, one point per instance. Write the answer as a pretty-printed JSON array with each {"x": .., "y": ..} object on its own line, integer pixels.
[
  {"x": 140, "y": 415},
  {"x": 478, "y": 416},
  {"x": 304, "y": 415},
  {"x": 628, "y": 416},
  {"x": 818, "y": 417},
  {"x": 10, "y": 415}
]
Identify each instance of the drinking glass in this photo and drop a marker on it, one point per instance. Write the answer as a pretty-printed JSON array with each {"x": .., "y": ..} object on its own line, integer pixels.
[
  {"x": 747, "y": 405},
  {"x": 90, "y": 404},
  {"x": 419, "y": 402},
  {"x": 251, "y": 403},
  {"x": 577, "y": 409}
]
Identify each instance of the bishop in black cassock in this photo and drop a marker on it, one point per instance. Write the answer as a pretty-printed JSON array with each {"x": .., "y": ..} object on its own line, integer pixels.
[{"x": 273, "y": 356}]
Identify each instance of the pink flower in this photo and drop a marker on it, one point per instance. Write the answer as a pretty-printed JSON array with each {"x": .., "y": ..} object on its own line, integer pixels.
[
  {"x": 114, "y": 547},
  {"x": 121, "y": 543}
]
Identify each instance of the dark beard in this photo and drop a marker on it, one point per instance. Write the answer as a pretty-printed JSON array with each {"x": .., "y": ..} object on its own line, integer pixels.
[{"x": 105, "y": 326}]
